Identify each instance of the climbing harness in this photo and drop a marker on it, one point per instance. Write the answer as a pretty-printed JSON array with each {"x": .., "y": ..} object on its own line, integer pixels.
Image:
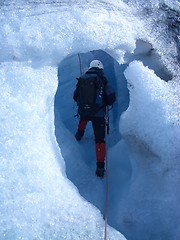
[{"x": 106, "y": 161}]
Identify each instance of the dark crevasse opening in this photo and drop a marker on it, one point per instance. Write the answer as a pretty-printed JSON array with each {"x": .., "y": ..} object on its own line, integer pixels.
[
  {"x": 145, "y": 53},
  {"x": 79, "y": 157}
]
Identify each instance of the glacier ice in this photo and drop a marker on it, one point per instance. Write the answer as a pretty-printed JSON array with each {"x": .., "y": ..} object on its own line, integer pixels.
[{"x": 36, "y": 38}]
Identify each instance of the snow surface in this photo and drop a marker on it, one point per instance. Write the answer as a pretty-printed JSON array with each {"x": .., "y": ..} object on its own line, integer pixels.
[{"x": 47, "y": 181}]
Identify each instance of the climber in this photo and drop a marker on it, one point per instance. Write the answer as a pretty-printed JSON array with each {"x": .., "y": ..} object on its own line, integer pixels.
[{"x": 93, "y": 94}]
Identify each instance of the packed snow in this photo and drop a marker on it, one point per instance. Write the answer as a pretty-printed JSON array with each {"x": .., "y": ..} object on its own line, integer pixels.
[{"x": 47, "y": 180}]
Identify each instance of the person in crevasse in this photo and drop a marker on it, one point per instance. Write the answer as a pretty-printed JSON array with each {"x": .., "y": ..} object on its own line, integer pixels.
[{"x": 105, "y": 95}]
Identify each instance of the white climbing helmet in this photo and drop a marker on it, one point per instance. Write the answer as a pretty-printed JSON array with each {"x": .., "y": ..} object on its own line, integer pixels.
[{"x": 97, "y": 64}]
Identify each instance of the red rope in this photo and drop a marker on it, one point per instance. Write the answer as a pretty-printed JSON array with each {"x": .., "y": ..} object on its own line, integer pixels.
[{"x": 106, "y": 206}]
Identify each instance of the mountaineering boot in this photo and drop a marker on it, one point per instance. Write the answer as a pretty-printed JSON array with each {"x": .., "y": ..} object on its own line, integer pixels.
[
  {"x": 100, "y": 169},
  {"x": 79, "y": 134}
]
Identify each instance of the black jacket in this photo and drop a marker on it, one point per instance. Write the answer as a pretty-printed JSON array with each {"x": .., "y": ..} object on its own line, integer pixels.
[{"x": 109, "y": 93}]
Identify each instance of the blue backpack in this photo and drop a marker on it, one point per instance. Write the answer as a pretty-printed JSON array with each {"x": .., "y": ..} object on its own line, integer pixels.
[{"x": 90, "y": 92}]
